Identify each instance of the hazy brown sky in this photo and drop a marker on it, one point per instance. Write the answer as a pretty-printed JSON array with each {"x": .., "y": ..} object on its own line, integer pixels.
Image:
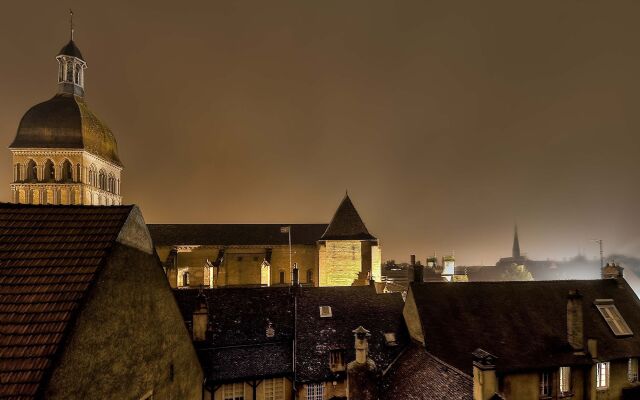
[{"x": 447, "y": 121}]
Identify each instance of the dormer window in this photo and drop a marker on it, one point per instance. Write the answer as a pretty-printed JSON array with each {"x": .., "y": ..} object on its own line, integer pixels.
[
  {"x": 325, "y": 312},
  {"x": 390, "y": 339},
  {"x": 336, "y": 360},
  {"x": 612, "y": 316}
]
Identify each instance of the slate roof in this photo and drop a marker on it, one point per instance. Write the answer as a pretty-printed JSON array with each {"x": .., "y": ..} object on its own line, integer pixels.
[
  {"x": 234, "y": 234},
  {"x": 351, "y": 307},
  {"x": 49, "y": 258},
  {"x": 70, "y": 49},
  {"x": 522, "y": 323},
  {"x": 418, "y": 375},
  {"x": 238, "y": 347},
  {"x": 65, "y": 121},
  {"x": 346, "y": 224}
]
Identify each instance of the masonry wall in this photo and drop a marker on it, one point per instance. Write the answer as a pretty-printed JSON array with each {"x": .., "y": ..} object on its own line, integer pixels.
[
  {"x": 242, "y": 265},
  {"x": 340, "y": 262},
  {"x": 618, "y": 380},
  {"x": 129, "y": 339},
  {"x": 526, "y": 386}
]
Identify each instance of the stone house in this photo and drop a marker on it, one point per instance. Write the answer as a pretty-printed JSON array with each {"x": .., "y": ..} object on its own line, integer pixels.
[
  {"x": 341, "y": 253},
  {"x": 533, "y": 340},
  {"x": 85, "y": 309}
]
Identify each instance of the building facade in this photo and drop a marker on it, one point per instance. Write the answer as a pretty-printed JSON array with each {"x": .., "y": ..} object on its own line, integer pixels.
[
  {"x": 341, "y": 253},
  {"x": 63, "y": 153}
]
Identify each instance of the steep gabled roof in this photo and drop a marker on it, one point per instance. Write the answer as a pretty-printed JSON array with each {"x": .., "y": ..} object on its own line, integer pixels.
[
  {"x": 50, "y": 257},
  {"x": 234, "y": 234},
  {"x": 524, "y": 324},
  {"x": 346, "y": 224}
]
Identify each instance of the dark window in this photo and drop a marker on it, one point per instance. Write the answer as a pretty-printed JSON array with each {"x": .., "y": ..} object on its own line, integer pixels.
[
  {"x": 32, "y": 173},
  {"x": 49, "y": 171},
  {"x": 67, "y": 172},
  {"x": 281, "y": 276},
  {"x": 309, "y": 276},
  {"x": 239, "y": 258},
  {"x": 18, "y": 174},
  {"x": 185, "y": 279}
]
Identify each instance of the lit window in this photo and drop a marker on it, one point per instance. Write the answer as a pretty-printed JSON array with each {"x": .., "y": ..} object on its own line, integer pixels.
[
  {"x": 274, "y": 389},
  {"x": 565, "y": 379},
  {"x": 315, "y": 391},
  {"x": 632, "y": 372},
  {"x": 602, "y": 375},
  {"x": 611, "y": 314},
  {"x": 545, "y": 384},
  {"x": 390, "y": 339},
  {"x": 233, "y": 391},
  {"x": 325, "y": 312},
  {"x": 336, "y": 360}
]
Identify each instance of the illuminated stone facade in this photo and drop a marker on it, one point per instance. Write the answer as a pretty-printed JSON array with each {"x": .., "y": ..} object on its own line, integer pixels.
[
  {"x": 63, "y": 153},
  {"x": 342, "y": 253}
]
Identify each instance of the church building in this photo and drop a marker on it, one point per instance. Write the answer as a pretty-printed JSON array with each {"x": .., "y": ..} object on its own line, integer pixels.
[
  {"x": 63, "y": 153},
  {"x": 341, "y": 253}
]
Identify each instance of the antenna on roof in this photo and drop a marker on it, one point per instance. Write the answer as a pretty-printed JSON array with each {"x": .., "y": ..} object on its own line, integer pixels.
[{"x": 71, "y": 22}]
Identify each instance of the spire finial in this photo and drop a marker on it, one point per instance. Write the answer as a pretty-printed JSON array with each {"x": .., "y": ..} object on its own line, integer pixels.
[{"x": 71, "y": 22}]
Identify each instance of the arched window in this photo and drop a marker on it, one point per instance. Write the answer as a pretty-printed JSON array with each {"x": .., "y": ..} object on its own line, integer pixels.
[
  {"x": 112, "y": 183},
  {"x": 92, "y": 176},
  {"x": 309, "y": 276},
  {"x": 67, "y": 171},
  {"x": 78, "y": 177},
  {"x": 32, "y": 171},
  {"x": 69, "y": 71},
  {"x": 49, "y": 171},
  {"x": 102, "y": 180},
  {"x": 18, "y": 172}
]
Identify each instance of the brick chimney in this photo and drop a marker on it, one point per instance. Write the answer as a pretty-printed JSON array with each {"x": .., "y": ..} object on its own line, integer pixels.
[
  {"x": 362, "y": 376},
  {"x": 575, "y": 320},
  {"x": 200, "y": 319},
  {"x": 612, "y": 271},
  {"x": 485, "y": 382}
]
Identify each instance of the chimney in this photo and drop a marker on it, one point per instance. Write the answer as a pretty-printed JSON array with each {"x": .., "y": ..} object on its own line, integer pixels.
[
  {"x": 200, "y": 319},
  {"x": 485, "y": 382},
  {"x": 362, "y": 376},
  {"x": 295, "y": 275},
  {"x": 575, "y": 321},
  {"x": 418, "y": 275},
  {"x": 612, "y": 271}
]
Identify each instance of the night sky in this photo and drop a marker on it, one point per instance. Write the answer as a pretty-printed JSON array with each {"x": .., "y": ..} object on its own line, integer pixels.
[{"x": 447, "y": 121}]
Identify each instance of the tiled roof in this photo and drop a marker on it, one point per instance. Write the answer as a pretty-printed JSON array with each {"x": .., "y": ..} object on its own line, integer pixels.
[
  {"x": 240, "y": 317},
  {"x": 234, "y": 234},
  {"x": 350, "y": 307},
  {"x": 418, "y": 375},
  {"x": 49, "y": 258},
  {"x": 346, "y": 224},
  {"x": 522, "y": 323}
]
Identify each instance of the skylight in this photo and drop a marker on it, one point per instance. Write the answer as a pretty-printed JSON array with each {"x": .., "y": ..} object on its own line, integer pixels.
[
  {"x": 325, "y": 312},
  {"x": 612, "y": 316}
]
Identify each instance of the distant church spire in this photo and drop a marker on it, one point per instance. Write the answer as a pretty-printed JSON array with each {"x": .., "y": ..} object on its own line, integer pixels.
[{"x": 516, "y": 243}]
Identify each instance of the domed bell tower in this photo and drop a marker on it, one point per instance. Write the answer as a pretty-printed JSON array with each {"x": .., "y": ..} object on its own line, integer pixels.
[{"x": 63, "y": 153}]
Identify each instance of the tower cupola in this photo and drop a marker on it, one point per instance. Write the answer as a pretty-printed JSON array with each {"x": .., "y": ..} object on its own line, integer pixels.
[{"x": 71, "y": 66}]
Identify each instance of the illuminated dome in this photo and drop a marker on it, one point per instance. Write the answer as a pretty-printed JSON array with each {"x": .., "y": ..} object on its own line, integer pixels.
[{"x": 65, "y": 121}]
